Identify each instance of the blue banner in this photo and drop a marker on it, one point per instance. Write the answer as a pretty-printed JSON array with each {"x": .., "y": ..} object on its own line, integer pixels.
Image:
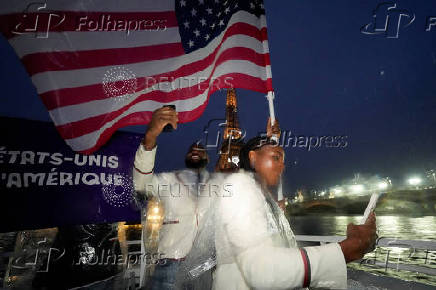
[{"x": 43, "y": 183}]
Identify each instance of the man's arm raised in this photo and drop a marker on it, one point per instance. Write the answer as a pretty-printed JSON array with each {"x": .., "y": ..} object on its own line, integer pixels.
[
  {"x": 161, "y": 117},
  {"x": 143, "y": 178}
]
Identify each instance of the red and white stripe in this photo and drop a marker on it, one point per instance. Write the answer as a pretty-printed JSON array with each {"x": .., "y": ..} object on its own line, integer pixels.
[{"x": 68, "y": 67}]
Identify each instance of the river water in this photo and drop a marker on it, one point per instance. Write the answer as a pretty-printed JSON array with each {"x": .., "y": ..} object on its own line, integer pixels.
[{"x": 400, "y": 227}]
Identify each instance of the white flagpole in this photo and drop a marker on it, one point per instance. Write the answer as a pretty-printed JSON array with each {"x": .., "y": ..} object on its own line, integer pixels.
[
  {"x": 270, "y": 95},
  {"x": 270, "y": 98}
]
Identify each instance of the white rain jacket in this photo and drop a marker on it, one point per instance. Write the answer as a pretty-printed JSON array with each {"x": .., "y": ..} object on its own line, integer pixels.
[
  {"x": 182, "y": 205},
  {"x": 252, "y": 251}
]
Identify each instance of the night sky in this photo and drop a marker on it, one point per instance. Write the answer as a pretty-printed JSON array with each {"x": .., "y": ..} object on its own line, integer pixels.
[{"x": 330, "y": 80}]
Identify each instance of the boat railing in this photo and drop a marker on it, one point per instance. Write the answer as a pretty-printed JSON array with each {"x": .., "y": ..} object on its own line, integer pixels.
[
  {"x": 425, "y": 245},
  {"x": 133, "y": 274}
]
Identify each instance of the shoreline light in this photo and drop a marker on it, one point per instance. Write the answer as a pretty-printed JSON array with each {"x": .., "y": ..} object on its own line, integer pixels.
[
  {"x": 382, "y": 185},
  {"x": 357, "y": 188},
  {"x": 414, "y": 180}
]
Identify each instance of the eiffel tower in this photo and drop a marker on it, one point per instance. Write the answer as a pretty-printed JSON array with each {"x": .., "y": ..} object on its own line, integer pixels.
[{"x": 232, "y": 137}]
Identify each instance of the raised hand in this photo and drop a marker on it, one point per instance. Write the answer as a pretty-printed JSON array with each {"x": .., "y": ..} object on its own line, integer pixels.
[
  {"x": 160, "y": 118},
  {"x": 274, "y": 129}
]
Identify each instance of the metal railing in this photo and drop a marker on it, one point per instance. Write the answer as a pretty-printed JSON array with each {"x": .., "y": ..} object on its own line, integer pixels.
[{"x": 425, "y": 245}]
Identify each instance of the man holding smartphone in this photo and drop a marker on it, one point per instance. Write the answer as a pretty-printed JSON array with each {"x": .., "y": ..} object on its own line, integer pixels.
[{"x": 178, "y": 193}]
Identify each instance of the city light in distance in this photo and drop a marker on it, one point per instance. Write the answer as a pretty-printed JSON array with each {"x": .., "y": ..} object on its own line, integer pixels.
[
  {"x": 357, "y": 188},
  {"x": 414, "y": 181},
  {"x": 382, "y": 185}
]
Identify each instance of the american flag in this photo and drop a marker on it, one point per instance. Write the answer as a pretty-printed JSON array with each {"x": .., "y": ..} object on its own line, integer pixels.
[{"x": 105, "y": 64}]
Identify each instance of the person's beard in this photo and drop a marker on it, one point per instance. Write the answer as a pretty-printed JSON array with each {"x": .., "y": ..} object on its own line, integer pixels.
[{"x": 196, "y": 164}]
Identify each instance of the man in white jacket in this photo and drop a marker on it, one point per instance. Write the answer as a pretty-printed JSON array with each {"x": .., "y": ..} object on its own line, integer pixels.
[{"x": 178, "y": 192}]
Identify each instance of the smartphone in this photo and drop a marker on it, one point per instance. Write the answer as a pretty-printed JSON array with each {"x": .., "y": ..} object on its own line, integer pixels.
[{"x": 169, "y": 127}]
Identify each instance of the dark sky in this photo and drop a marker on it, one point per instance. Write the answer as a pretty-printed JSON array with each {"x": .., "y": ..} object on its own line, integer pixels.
[{"x": 330, "y": 80}]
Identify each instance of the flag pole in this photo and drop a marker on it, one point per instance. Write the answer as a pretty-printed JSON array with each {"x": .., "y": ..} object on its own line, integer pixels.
[
  {"x": 270, "y": 94},
  {"x": 270, "y": 98}
]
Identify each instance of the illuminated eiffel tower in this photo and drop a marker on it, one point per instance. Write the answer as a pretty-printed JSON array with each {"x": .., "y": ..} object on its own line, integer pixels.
[{"x": 232, "y": 137}]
